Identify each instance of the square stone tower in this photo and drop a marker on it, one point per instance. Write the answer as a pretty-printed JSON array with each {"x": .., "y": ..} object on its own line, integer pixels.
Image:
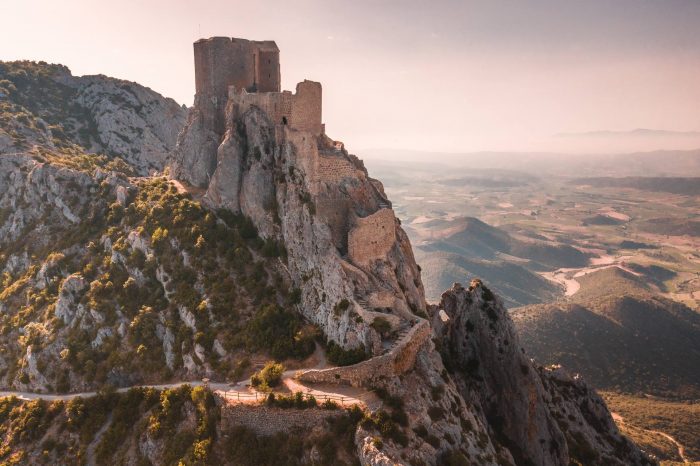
[{"x": 220, "y": 62}]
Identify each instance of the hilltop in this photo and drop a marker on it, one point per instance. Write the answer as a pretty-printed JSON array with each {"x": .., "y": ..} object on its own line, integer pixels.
[
  {"x": 619, "y": 334},
  {"x": 509, "y": 263},
  {"x": 267, "y": 240}
]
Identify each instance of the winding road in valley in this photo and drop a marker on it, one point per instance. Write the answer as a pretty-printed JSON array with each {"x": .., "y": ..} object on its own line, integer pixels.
[{"x": 679, "y": 446}]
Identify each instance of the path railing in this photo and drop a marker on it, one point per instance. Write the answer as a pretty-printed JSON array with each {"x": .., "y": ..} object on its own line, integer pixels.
[{"x": 233, "y": 395}]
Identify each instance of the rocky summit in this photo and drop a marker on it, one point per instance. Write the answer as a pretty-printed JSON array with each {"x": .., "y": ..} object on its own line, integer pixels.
[{"x": 136, "y": 263}]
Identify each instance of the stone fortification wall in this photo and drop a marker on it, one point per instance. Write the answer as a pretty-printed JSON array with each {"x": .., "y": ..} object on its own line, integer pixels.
[
  {"x": 333, "y": 168},
  {"x": 400, "y": 359},
  {"x": 300, "y": 111},
  {"x": 265, "y": 420},
  {"x": 307, "y": 108},
  {"x": 372, "y": 238},
  {"x": 220, "y": 62},
  {"x": 276, "y": 105},
  {"x": 267, "y": 67}
]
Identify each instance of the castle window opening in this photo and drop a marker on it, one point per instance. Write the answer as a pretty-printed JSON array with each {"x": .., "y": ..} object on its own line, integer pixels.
[{"x": 284, "y": 120}]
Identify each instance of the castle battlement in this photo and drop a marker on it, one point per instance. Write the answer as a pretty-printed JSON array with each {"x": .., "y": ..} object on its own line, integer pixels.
[
  {"x": 300, "y": 111},
  {"x": 247, "y": 73}
]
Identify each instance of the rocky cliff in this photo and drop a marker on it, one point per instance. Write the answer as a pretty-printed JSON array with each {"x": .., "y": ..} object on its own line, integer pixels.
[
  {"x": 540, "y": 415},
  {"x": 469, "y": 395},
  {"x": 46, "y": 105},
  {"x": 277, "y": 177},
  {"x": 265, "y": 240}
]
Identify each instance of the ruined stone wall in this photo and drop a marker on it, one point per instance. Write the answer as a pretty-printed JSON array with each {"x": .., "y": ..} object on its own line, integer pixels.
[
  {"x": 300, "y": 111},
  {"x": 333, "y": 168},
  {"x": 400, "y": 359},
  {"x": 276, "y": 105},
  {"x": 306, "y": 111},
  {"x": 265, "y": 420},
  {"x": 334, "y": 208},
  {"x": 372, "y": 238}
]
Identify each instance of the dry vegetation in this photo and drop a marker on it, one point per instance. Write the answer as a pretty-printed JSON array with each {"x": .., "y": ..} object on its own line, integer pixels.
[{"x": 641, "y": 414}]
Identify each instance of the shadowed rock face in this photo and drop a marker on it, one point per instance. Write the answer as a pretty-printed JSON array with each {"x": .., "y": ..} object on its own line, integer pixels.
[
  {"x": 542, "y": 416},
  {"x": 278, "y": 177}
]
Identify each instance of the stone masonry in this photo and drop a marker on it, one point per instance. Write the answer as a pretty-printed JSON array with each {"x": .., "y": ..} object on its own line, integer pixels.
[
  {"x": 401, "y": 358},
  {"x": 372, "y": 238},
  {"x": 220, "y": 62},
  {"x": 300, "y": 111}
]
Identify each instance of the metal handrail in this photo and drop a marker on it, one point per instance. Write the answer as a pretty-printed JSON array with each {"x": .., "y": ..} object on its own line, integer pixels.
[{"x": 238, "y": 396}]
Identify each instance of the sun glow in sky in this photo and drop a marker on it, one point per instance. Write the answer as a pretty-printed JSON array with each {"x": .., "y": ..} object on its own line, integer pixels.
[{"x": 444, "y": 75}]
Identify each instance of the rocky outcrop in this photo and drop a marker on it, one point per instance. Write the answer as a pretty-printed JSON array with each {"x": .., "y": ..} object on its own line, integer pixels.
[
  {"x": 131, "y": 121},
  {"x": 55, "y": 110},
  {"x": 523, "y": 406},
  {"x": 270, "y": 173}
]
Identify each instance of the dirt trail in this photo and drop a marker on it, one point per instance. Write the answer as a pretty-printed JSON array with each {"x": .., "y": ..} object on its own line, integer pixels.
[
  {"x": 241, "y": 392},
  {"x": 90, "y": 453},
  {"x": 681, "y": 450}
]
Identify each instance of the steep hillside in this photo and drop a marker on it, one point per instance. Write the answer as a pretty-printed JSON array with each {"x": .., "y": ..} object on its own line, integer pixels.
[
  {"x": 42, "y": 104},
  {"x": 174, "y": 426},
  {"x": 618, "y": 335},
  {"x": 517, "y": 285},
  {"x": 139, "y": 284},
  {"x": 270, "y": 240},
  {"x": 475, "y": 239}
]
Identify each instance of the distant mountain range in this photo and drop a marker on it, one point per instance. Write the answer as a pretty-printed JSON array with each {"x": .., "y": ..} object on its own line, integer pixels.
[
  {"x": 639, "y": 132},
  {"x": 472, "y": 248}
]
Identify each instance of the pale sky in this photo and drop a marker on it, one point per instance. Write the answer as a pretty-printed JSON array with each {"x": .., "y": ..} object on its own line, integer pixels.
[{"x": 440, "y": 75}]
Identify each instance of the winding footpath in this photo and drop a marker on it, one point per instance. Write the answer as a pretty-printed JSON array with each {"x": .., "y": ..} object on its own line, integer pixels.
[
  {"x": 240, "y": 392},
  {"x": 679, "y": 446}
]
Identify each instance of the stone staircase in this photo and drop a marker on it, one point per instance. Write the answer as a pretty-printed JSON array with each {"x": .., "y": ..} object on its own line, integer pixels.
[
  {"x": 384, "y": 204},
  {"x": 403, "y": 332}
]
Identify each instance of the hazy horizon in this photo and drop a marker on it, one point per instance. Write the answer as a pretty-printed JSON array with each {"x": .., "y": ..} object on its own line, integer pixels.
[{"x": 451, "y": 76}]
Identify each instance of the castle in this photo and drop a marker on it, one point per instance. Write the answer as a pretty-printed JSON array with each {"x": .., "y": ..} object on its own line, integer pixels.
[
  {"x": 247, "y": 73},
  {"x": 234, "y": 75}
]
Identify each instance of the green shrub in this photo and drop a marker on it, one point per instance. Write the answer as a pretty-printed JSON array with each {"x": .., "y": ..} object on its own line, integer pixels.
[
  {"x": 341, "y": 357},
  {"x": 269, "y": 376},
  {"x": 381, "y": 325}
]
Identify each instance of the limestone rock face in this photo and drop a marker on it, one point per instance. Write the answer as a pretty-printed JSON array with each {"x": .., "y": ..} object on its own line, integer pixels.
[
  {"x": 195, "y": 159},
  {"x": 132, "y": 121},
  {"x": 301, "y": 191},
  {"x": 30, "y": 190},
  {"x": 591, "y": 433},
  {"x": 521, "y": 404},
  {"x": 99, "y": 114}
]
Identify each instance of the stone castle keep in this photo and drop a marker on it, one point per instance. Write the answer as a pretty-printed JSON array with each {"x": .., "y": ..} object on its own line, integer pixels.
[
  {"x": 247, "y": 73},
  {"x": 233, "y": 75}
]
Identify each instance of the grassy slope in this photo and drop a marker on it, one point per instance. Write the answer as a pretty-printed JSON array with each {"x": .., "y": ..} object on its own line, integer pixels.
[
  {"x": 618, "y": 335},
  {"x": 177, "y": 426},
  {"x": 681, "y": 420}
]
